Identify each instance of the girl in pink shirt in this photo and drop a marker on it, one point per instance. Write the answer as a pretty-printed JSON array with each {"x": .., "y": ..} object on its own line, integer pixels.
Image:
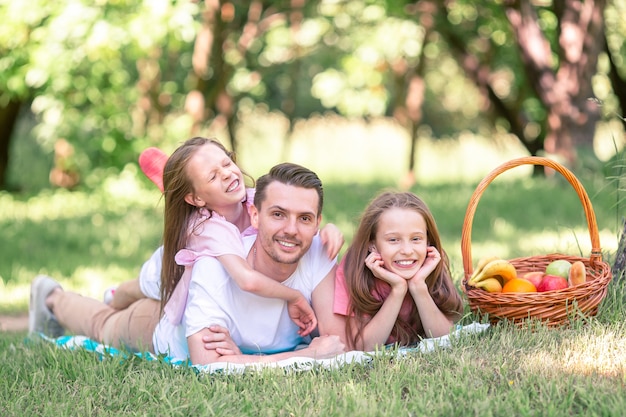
[{"x": 394, "y": 284}]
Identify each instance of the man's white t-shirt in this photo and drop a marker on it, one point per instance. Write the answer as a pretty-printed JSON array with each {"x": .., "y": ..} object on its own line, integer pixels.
[
  {"x": 258, "y": 325},
  {"x": 150, "y": 275}
]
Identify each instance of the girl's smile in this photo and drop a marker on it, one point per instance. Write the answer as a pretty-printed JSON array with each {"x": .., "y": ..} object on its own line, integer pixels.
[
  {"x": 402, "y": 241},
  {"x": 217, "y": 180}
]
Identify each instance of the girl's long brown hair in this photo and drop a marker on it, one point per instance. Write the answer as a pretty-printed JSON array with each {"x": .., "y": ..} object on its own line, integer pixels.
[
  {"x": 176, "y": 185},
  {"x": 360, "y": 281}
]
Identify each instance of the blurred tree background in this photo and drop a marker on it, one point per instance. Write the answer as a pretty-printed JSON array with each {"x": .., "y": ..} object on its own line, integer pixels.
[{"x": 96, "y": 82}]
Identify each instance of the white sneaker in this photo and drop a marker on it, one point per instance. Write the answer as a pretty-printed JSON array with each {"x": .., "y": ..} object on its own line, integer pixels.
[{"x": 40, "y": 318}]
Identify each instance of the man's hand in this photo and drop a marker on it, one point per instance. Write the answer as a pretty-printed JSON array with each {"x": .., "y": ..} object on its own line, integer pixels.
[
  {"x": 302, "y": 314},
  {"x": 220, "y": 341},
  {"x": 332, "y": 238},
  {"x": 324, "y": 347}
]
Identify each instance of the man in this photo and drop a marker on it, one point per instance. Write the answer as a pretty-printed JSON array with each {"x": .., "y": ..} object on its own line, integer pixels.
[{"x": 287, "y": 214}]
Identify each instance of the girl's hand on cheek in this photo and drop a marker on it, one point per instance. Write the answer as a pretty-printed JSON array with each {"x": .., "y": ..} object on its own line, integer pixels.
[
  {"x": 433, "y": 257},
  {"x": 376, "y": 264}
]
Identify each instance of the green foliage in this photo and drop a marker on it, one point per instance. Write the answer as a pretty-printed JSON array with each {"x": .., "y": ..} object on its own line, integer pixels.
[
  {"x": 90, "y": 70},
  {"x": 112, "y": 77}
]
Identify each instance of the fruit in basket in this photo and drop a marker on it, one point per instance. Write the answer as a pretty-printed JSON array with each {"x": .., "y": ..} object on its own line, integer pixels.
[
  {"x": 559, "y": 267},
  {"x": 577, "y": 274},
  {"x": 490, "y": 285},
  {"x": 481, "y": 265},
  {"x": 519, "y": 285},
  {"x": 535, "y": 277},
  {"x": 552, "y": 282},
  {"x": 496, "y": 267}
]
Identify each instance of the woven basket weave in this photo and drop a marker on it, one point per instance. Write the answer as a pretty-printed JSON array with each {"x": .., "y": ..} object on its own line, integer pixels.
[{"x": 553, "y": 308}]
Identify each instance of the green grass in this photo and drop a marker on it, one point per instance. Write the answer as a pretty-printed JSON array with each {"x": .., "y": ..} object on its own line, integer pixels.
[
  {"x": 90, "y": 240},
  {"x": 505, "y": 371},
  {"x": 87, "y": 240}
]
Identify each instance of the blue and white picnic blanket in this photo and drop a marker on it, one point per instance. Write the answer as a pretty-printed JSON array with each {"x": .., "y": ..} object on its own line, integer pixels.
[{"x": 296, "y": 363}]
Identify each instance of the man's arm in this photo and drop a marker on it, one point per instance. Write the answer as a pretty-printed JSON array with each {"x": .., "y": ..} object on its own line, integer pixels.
[
  {"x": 220, "y": 341},
  {"x": 322, "y": 299},
  {"x": 320, "y": 348}
]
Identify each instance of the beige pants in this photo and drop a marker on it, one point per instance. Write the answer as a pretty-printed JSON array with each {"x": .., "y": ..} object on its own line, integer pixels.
[{"x": 131, "y": 328}]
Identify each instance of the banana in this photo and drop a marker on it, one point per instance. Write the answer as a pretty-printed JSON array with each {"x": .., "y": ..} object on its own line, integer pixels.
[
  {"x": 490, "y": 284},
  {"x": 480, "y": 265},
  {"x": 497, "y": 267}
]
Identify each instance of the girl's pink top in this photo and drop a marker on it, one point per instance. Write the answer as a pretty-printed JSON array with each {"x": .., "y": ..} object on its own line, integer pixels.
[
  {"x": 380, "y": 292},
  {"x": 210, "y": 234}
]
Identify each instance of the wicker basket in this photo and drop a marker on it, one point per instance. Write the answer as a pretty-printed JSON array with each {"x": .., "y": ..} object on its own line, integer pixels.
[{"x": 554, "y": 308}]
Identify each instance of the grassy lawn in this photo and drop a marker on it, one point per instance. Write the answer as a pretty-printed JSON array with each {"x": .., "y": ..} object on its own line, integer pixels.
[
  {"x": 504, "y": 372},
  {"x": 92, "y": 240}
]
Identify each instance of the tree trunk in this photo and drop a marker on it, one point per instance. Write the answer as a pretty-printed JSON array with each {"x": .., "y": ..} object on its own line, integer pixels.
[
  {"x": 8, "y": 119},
  {"x": 617, "y": 82},
  {"x": 290, "y": 102},
  {"x": 565, "y": 92},
  {"x": 411, "y": 87},
  {"x": 619, "y": 266},
  {"x": 197, "y": 101},
  {"x": 479, "y": 70}
]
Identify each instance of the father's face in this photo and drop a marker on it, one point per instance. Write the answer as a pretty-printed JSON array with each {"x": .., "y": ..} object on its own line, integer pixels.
[{"x": 287, "y": 221}]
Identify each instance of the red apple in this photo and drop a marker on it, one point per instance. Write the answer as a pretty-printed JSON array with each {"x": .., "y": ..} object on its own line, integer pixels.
[
  {"x": 552, "y": 282},
  {"x": 535, "y": 277}
]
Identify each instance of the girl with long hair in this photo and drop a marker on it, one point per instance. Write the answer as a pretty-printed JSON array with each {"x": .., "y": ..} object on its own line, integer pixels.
[{"x": 393, "y": 284}]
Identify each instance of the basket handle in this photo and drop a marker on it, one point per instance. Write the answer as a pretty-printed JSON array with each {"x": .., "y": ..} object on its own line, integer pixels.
[{"x": 466, "y": 234}]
